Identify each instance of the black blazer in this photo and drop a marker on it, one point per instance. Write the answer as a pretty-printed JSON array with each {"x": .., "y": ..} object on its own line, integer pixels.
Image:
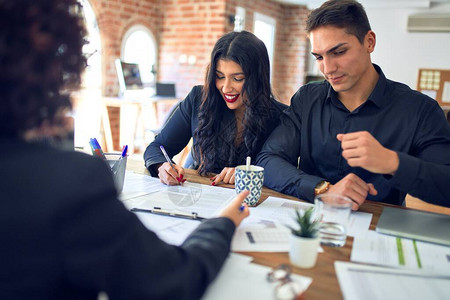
[{"x": 64, "y": 235}]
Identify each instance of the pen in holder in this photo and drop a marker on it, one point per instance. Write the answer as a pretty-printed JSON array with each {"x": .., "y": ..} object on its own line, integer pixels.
[{"x": 118, "y": 164}]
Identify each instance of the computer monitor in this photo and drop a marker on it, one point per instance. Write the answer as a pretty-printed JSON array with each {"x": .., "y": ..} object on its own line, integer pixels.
[
  {"x": 165, "y": 89},
  {"x": 129, "y": 76}
]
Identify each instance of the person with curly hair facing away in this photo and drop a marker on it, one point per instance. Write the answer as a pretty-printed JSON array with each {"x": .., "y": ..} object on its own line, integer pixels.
[
  {"x": 64, "y": 233},
  {"x": 229, "y": 118}
]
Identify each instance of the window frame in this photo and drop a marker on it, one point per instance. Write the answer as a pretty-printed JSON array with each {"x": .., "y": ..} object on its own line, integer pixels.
[
  {"x": 271, "y": 22},
  {"x": 138, "y": 28}
]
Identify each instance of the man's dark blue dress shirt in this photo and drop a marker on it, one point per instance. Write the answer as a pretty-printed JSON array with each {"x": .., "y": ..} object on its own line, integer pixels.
[{"x": 401, "y": 119}]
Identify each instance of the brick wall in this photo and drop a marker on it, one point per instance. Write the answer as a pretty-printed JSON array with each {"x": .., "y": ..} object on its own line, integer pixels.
[
  {"x": 288, "y": 70},
  {"x": 291, "y": 52},
  {"x": 114, "y": 18},
  {"x": 188, "y": 29}
]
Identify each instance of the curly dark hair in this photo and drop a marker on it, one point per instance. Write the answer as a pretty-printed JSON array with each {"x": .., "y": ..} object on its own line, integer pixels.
[
  {"x": 41, "y": 61},
  {"x": 250, "y": 54},
  {"x": 347, "y": 14}
]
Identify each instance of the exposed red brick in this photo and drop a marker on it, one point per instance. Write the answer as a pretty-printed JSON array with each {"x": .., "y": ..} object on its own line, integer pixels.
[{"x": 191, "y": 27}]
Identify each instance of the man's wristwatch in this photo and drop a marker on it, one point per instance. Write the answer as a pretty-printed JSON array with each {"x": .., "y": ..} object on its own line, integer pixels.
[{"x": 321, "y": 187}]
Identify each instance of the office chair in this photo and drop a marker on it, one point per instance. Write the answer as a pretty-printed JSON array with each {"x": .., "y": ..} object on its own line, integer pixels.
[
  {"x": 169, "y": 115},
  {"x": 185, "y": 156}
]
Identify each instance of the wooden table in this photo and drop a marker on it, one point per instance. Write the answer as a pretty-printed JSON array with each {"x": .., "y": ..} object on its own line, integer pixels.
[{"x": 325, "y": 284}]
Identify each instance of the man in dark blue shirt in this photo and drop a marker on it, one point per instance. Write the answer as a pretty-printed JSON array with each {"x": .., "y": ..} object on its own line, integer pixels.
[{"x": 357, "y": 133}]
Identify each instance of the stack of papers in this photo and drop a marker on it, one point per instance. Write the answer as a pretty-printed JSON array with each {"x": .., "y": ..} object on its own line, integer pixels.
[
  {"x": 206, "y": 201},
  {"x": 146, "y": 192},
  {"x": 265, "y": 229},
  {"x": 241, "y": 279},
  {"x": 136, "y": 185},
  {"x": 391, "y": 251},
  {"x": 411, "y": 269},
  {"x": 371, "y": 283}
]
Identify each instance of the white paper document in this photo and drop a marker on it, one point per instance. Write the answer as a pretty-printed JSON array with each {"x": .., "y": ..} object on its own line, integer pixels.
[
  {"x": 239, "y": 279},
  {"x": 279, "y": 210},
  {"x": 266, "y": 230},
  {"x": 171, "y": 230},
  {"x": 387, "y": 250},
  {"x": 136, "y": 185},
  {"x": 373, "y": 283},
  {"x": 146, "y": 192},
  {"x": 283, "y": 211},
  {"x": 359, "y": 223},
  {"x": 206, "y": 201},
  {"x": 260, "y": 235}
]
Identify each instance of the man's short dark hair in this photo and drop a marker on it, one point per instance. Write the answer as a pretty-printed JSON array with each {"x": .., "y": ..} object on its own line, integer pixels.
[{"x": 347, "y": 14}]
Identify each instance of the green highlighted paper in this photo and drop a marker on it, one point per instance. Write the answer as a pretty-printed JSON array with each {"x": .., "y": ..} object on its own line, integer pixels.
[{"x": 401, "y": 256}]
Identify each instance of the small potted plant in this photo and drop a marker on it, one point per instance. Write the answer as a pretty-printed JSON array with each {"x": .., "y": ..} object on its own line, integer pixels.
[{"x": 304, "y": 241}]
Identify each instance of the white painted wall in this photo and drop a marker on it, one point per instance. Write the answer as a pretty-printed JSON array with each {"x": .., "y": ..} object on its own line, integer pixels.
[{"x": 400, "y": 53}]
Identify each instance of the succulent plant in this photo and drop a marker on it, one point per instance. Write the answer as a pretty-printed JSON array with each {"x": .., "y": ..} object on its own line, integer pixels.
[{"x": 307, "y": 222}]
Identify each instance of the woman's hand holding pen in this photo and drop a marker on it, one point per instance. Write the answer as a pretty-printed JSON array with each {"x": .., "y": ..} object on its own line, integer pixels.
[
  {"x": 171, "y": 175},
  {"x": 237, "y": 210},
  {"x": 168, "y": 172}
]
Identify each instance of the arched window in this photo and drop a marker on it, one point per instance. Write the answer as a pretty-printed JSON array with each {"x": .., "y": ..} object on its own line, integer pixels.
[
  {"x": 87, "y": 103},
  {"x": 139, "y": 46}
]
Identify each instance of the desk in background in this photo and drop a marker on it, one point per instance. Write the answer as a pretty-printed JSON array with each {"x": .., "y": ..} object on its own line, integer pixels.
[{"x": 134, "y": 117}]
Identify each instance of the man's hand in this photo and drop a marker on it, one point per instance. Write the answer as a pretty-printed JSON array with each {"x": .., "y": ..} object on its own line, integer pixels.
[
  {"x": 168, "y": 176},
  {"x": 354, "y": 188},
  {"x": 361, "y": 149},
  {"x": 227, "y": 176}
]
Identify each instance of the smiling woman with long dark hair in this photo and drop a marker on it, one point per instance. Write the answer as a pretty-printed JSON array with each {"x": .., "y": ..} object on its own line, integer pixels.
[{"x": 229, "y": 117}]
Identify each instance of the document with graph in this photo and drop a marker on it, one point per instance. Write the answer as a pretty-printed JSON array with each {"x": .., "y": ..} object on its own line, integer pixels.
[
  {"x": 265, "y": 229},
  {"x": 189, "y": 199}
]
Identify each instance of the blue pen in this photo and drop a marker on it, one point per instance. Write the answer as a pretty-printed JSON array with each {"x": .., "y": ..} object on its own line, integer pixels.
[
  {"x": 124, "y": 151},
  {"x": 241, "y": 209},
  {"x": 116, "y": 164},
  {"x": 97, "y": 148},
  {"x": 91, "y": 143}
]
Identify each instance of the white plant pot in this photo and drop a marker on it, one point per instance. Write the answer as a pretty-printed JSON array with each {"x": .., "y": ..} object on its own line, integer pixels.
[{"x": 303, "y": 251}]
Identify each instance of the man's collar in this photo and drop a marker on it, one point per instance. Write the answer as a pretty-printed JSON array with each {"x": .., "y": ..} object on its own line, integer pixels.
[{"x": 376, "y": 97}]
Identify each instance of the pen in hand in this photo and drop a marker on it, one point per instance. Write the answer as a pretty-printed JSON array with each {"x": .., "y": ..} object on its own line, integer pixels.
[{"x": 180, "y": 180}]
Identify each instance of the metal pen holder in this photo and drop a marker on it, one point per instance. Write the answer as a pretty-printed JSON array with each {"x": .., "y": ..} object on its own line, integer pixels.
[{"x": 118, "y": 165}]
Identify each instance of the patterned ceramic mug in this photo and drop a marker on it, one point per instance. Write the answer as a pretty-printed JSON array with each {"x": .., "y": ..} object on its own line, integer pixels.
[{"x": 251, "y": 180}]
